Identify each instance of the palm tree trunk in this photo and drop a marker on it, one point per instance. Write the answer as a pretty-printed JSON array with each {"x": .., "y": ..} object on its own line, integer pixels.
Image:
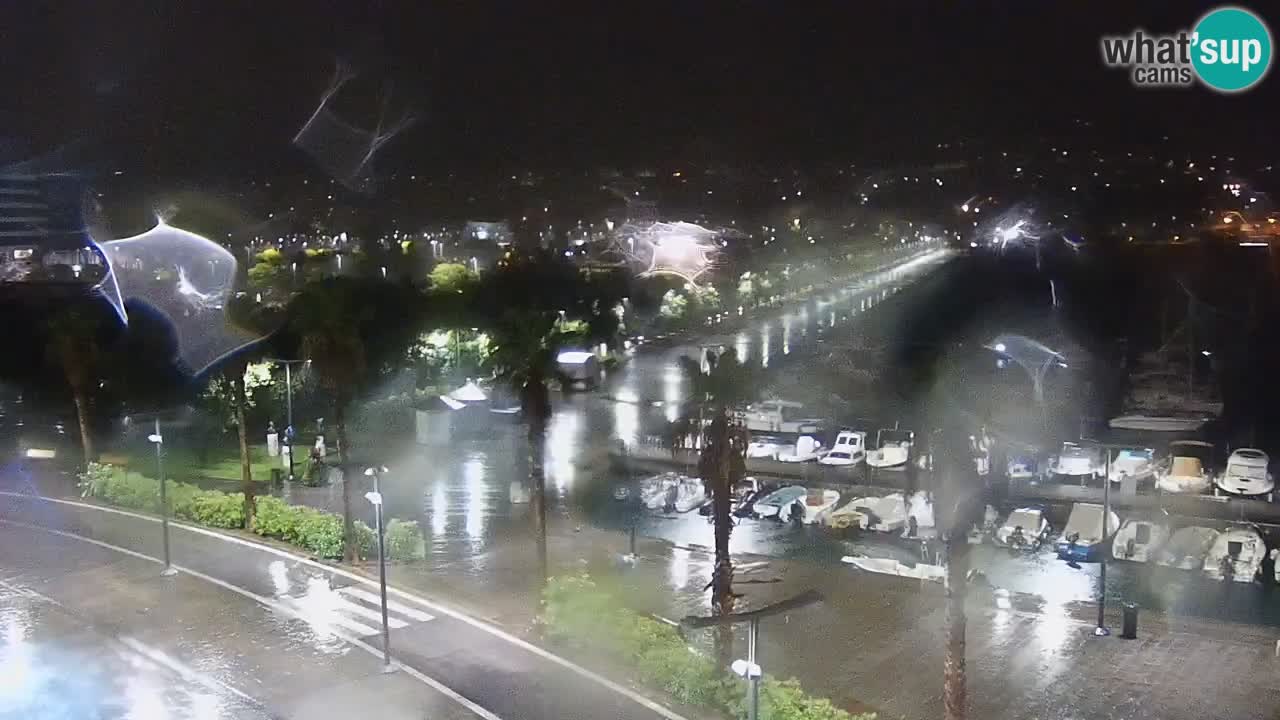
[
  {"x": 538, "y": 495},
  {"x": 246, "y": 469},
  {"x": 348, "y": 477},
  {"x": 537, "y": 408},
  {"x": 954, "y": 693},
  {"x": 722, "y": 597},
  {"x": 82, "y": 417}
]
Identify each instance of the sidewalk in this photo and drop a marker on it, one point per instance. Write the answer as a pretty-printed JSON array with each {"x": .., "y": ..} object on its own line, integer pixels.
[
  {"x": 99, "y": 631},
  {"x": 495, "y": 671},
  {"x": 874, "y": 643}
]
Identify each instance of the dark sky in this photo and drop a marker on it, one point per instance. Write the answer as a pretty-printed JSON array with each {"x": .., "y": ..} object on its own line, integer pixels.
[{"x": 210, "y": 86}]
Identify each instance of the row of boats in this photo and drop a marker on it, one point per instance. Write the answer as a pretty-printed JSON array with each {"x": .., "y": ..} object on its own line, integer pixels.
[
  {"x": 1185, "y": 469},
  {"x": 1237, "y": 553},
  {"x": 892, "y": 451},
  {"x": 675, "y": 493}
]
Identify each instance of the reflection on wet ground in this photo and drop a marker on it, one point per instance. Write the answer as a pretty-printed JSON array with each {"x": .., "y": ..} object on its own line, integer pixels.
[{"x": 464, "y": 499}]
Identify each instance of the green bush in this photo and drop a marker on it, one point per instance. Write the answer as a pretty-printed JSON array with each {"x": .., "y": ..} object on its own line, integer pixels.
[
  {"x": 320, "y": 533},
  {"x": 94, "y": 479},
  {"x": 218, "y": 509},
  {"x": 366, "y": 541},
  {"x": 404, "y": 540},
  {"x": 273, "y": 517},
  {"x": 578, "y": 613},
  {"x": 116, "y": 486}
]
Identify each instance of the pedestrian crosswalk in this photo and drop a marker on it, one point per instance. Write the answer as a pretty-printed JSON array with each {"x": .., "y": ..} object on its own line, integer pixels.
[{"x": 354, "y": 609}]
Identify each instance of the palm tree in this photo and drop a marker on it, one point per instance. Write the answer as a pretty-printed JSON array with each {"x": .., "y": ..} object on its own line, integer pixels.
[
  {"x": 525, "y": 346},
  {"x": 714, "y": 397},
  {"x": 73, "y": 345},
  {"x": 958, "y": 501},
  {"x": 530, "y": 304},
  {"x": 329, "y": 318}
]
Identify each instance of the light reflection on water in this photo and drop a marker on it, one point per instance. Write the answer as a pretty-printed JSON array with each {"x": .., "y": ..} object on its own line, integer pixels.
[
  {"x": 476, "y": 497},
  {"x": 563, "y": 448}
]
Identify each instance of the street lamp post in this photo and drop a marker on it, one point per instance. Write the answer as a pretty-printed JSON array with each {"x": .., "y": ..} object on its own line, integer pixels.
[
  {"x": 375, "y": 498},
  {"x": 158, "y": 439},
  {"x": 288, "y": 404},
  {"x": 749, "y": 669}
]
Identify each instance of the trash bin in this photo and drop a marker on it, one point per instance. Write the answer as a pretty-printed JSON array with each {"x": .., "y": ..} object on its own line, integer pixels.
[
  {"x": 1130, "y": 628},
  {"x": 277, "y": 477}
]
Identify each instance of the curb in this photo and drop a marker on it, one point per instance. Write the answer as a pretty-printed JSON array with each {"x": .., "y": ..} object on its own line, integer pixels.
[{"x": 454, "y": 613}]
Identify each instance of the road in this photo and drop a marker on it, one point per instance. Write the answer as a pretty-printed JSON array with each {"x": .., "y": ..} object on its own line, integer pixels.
[{"x": 246, "y": 631}]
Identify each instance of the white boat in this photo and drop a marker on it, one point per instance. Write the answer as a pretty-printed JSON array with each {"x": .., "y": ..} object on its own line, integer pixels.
[
  {"x": 889, "y": 513},
  {"x": 849, "y": 449},
  {"x": 1084, "y": 535},
  {"x": 892, "y": 448},
  {"x": 1186, "y": 473},
  {"x": 1246, "y": 475},
  {"x": 1021, "y": 468},
  {"x": 765, "y": 447},
  {"x": 886, "y": 513},
  {"x": 1025, "y": 528},
  {"x": 773, "y": 504},
  {"x": 1236, "y": 555},
  {"x": 806, "y": 449},
  {"x": 920, "y": 522},
  {"x": 780, "y": 416},
  {"x": 691, "y": 494},
  {"x": 1135, "y": 463},
  {"x": 890, "y": 566},
  {"x": 1139, "y": 540},
  {"x": 816, "y": 505},
  {"x": 1187, "y": 547},
  {"x": 1076, "y": 463},
  {"x": 655, "y": 491}
]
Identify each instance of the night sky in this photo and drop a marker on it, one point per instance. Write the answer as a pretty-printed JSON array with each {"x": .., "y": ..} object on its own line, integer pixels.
[{"x": 215, "y": 87}]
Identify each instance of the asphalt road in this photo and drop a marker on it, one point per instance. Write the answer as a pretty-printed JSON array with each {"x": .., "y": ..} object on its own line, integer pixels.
[{"x": 266, "y": 633}]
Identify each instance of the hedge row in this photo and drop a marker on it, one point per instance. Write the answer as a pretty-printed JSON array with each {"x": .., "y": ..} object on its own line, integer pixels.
[
  {"x": 315, "y": 531},
  {"x": 578, "y": 613}
]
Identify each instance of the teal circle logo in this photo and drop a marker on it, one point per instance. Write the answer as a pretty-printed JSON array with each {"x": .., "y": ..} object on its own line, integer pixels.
[{"x": 1231, "y": 49}]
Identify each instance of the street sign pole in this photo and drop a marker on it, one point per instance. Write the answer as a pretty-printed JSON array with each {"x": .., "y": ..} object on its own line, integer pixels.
[
  {"x": 375, "y": 497},
  {"x": 288, "y": 400},
  {"x": 158, "y": 439},
  {"x": 1101, "y": 630},
  {"x": 753, "y": 710}
]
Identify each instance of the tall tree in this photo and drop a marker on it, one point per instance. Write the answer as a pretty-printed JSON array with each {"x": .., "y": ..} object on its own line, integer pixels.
[
  {"x": 532, "y": 305},
  {"x": 74, "y": 346},
  {"x": 228, "y": 396},
  {"x": 353, "y": 330},
  {"x": 715, "y": 394},
  {"x": 959, "y": 499},
  {"x": 328, "y": 322}
]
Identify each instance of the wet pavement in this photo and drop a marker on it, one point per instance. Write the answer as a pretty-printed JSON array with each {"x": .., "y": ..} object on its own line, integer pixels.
[
  {"x": 89, "y": 632},
  {"x": 281, "y": 629},
  {"x": 874, "y": 642}
]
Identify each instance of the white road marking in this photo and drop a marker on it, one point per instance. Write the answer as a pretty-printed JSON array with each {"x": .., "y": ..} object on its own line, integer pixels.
[
  {"x": 391, "y": 604},
  {"x": 344, "y": 605},
  {"x": 279, "y": 607},
  {"x": 328, "y": 618},
  {"x": 436, "y": 607}
]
